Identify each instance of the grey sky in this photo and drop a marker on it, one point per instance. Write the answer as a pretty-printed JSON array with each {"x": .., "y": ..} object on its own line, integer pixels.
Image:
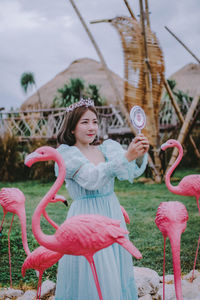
[{"x": 45, "y": 36}]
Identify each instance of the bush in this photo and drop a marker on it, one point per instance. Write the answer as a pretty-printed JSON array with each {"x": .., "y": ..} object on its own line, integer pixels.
[{"x": 12, "y": 155}]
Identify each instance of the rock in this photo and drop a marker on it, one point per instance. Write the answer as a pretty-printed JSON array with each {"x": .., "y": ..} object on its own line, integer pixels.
[
  {"x": 28, "y": 295},
  {"x": 168, "y": 279},
  {"x": 48, "y": 286},
  {"x": 146, "y": 297},
  {"x": 10, "y": 293},
  {"x": 190, "y": 291},
  {"x": 189, "y": 275},
  {"x": 147, "y": 281},
  {"x": 169, "y": 292}
]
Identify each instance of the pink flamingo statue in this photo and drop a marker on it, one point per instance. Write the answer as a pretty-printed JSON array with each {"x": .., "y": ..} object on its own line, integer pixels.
[
  {"x": 42, "y": 258},
  {"x": 79, "y": 235},
  {"x": 171, "y": 219},
  {"x": 188, "y": 186},
  {"x": 13, "y": 200},
  {"x": 125, "y": 214}
]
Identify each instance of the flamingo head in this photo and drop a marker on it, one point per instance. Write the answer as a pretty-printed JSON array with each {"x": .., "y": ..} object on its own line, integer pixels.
[
  {"x": 43, "y": 153},
  {"x": 58, "y": 198},
  {"x": 171, "y": 217},
  {"x": 170, "y": 144}
]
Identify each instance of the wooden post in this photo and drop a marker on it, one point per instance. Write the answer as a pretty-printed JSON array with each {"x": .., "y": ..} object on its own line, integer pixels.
[
  {"x": 184, "y": 129},
  {"x": 179, "y": 114},
  {"x": 109, "y": 76},
  {"x": 183, "y": 44},
  {"x": 129, "y": 9},
  {"x": 148, "y": 88},
  {"x": 147, "y": 12}
]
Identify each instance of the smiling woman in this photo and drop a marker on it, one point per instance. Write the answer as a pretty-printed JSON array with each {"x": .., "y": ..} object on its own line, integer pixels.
[{"x": 90, "y": 173}]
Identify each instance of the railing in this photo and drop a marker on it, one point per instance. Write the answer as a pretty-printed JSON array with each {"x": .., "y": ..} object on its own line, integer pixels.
[{"x": 46, "y": 123}]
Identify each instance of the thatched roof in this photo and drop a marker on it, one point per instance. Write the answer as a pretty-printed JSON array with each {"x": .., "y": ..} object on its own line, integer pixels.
[
  {"x": 188, "y": 79},
  {"x": 87, "y": 69}
]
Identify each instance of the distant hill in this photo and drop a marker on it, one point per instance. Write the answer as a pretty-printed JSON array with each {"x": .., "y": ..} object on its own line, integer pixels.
[{"x": 91, "y": 71}]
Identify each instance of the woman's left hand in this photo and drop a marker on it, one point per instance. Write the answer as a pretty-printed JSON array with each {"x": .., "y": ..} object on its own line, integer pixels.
[{"x": 143, "y": 139}]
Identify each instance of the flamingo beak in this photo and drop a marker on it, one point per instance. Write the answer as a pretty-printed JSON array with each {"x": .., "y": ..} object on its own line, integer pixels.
[
  {"x": 66, "y": 203},
  {"x": 29, "y": 160},
  {"x": 163, "y": 146}
]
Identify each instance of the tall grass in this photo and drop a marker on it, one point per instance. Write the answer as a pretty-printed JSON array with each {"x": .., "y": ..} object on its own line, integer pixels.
[{"x": 141, "y": 201}]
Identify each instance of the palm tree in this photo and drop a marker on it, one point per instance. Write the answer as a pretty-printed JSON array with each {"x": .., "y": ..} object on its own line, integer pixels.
[
  {"x": 27, "y": 81},
  {"x": 74, "y": 91}
]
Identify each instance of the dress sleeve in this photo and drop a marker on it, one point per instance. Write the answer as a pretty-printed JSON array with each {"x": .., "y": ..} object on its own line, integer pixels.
[{"x": 123, "y": 169}]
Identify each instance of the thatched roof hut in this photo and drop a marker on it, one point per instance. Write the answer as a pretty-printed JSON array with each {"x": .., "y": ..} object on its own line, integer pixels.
[
  {"x": 87, "y": 69},
  {"x": 188, "y": 79}
]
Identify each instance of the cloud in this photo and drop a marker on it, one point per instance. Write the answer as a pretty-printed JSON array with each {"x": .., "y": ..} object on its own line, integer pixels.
[
  {"x": 14, "y": 19},
  {"x": 44, "y": 37}
]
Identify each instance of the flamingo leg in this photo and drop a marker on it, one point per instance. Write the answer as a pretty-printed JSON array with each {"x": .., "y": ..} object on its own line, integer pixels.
[
  {"x": 39, "y": 286},
  {"x": 1, "y": 227},
  {"x": 9, "y": 252},
  {"x": 195, "y": 259},
  {"x": 94, "y": 272},
  {"x": 197, "y": 199},
  {"x": 164, "y": 268}
]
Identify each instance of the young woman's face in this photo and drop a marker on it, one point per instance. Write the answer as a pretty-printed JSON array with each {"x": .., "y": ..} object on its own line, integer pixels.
[{"x": 86, "y": 128}]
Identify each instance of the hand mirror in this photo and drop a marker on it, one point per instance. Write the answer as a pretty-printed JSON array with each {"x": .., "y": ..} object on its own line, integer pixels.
[{"x": 138, "y": 118}]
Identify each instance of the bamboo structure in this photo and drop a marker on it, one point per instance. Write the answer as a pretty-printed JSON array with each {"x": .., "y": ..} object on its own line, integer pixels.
[
  {"x": 185, "y": 124},
  {"x": 143, "y": 71},
  {"x": 179, "y": 114},
  {"x": 184, "y": 128}
]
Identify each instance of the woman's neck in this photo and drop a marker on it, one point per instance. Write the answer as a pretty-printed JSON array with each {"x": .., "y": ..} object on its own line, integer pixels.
[{"x": 83, "y": 147}]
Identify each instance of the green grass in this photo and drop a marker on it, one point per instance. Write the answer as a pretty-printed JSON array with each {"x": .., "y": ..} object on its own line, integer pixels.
[{"x": 141, "y": 201}]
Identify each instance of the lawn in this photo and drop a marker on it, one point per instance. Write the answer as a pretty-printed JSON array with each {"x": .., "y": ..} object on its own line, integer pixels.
[{"x": 141, "y": 201}]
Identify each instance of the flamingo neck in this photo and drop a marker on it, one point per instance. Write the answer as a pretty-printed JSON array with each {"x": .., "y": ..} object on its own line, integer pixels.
[
  {"x": 22, "y": 218},
  {"x": 45, "y": 214},
  {"x": 47, "y": 241},
  {"x": 175, "y": 246},
  {"x": 171, "y": 188}
]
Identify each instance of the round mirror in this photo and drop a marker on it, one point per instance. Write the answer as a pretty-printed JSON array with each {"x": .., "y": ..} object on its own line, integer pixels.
[{"x": 138, "y": 117}]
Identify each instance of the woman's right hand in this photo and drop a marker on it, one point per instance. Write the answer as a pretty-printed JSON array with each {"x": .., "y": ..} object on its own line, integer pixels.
[{"x": 137, "y": 148}]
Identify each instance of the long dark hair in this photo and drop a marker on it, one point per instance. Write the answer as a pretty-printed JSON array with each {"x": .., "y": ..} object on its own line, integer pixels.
[{"x": 65, "y": 135}]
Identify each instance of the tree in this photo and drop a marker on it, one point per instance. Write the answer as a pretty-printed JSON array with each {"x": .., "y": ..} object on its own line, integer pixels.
[
  {"x": 76, "y": 90},
  {"x": 27, "y": 81}
]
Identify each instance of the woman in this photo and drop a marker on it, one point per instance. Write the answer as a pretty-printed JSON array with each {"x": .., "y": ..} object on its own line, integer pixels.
[{"x": 90, "y": 174}]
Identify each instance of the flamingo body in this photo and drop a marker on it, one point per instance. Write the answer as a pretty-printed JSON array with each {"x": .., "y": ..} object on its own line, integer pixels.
[
  {"x": 40, "y": 259},
  {"x": 189, "y": 186},
  {"x": 12, "y": 199},
  {"x": 87, "y": 234}
]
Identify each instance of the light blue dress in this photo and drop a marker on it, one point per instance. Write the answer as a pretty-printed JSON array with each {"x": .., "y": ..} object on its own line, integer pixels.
[{"x": 92, "y": 190}]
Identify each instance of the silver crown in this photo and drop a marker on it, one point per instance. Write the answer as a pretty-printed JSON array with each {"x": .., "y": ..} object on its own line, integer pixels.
[{"x": 82, "y": 102}]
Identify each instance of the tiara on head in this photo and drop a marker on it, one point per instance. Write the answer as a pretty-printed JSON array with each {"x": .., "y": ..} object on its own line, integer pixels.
[{"x": 82, "y": 102}]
